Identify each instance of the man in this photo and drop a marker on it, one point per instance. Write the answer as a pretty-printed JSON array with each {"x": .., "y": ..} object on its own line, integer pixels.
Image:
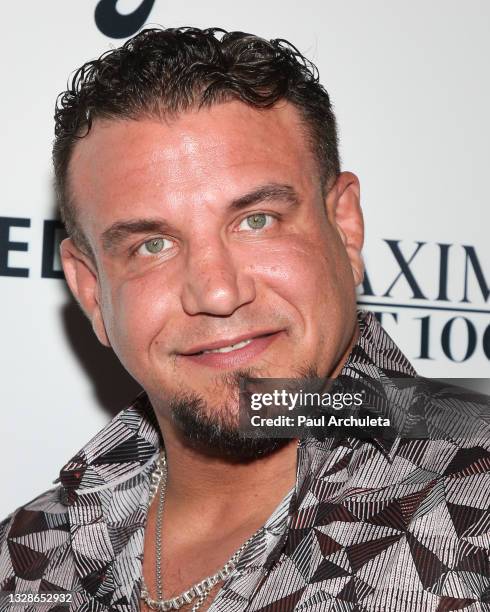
[{"x": 214, "y": 239}]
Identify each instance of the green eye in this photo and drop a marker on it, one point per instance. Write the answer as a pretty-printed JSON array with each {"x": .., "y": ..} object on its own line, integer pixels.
[
  {"x": 155, "y": 245},
  {"x": 257, "y": 221}
]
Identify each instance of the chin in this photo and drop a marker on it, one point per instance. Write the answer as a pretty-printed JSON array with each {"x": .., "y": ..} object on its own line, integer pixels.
[{"x": 211, "y": 437}]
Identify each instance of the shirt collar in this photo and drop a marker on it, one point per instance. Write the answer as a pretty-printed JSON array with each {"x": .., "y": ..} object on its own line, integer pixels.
[
  {"x": 376, "y": 359},
  {"x": 133, "y": 437},
  {"x": 120, "y": 449}
]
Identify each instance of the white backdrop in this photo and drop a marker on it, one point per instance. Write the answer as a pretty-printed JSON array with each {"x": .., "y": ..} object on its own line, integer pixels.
[{"x": 411, "y": 89}]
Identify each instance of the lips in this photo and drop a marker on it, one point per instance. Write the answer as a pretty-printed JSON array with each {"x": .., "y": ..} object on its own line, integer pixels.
[
  {"x": 227, "y": 343},
  {"x": 238, "y": 352},
  {"x": 229, "y": 348}
]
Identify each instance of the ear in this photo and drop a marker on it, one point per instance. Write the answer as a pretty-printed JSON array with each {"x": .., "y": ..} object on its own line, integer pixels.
[
  {"x": 345, "y": 214},
  {"x": 82, "y": 278}
]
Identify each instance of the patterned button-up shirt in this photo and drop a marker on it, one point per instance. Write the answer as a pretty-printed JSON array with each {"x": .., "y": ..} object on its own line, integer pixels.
[{"x": 371, "y": 524}]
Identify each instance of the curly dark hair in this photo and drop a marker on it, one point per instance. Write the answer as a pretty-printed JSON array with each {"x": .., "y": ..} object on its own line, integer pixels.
[{"x": 164, "y": 72}]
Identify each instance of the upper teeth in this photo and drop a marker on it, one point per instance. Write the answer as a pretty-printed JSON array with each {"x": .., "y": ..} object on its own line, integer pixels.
[{"x": 231, "y": 347}]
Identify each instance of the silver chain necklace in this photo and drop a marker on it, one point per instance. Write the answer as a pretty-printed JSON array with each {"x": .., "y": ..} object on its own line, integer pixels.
[{"x": 201, "y": 589}]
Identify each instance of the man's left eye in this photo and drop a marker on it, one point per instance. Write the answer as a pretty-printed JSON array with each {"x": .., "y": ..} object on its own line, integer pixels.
[
  {"x": 153, "y": 246},
  {"x": 256, "y": 221}
]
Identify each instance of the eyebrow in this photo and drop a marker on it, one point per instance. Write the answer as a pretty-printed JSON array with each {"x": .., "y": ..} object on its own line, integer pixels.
[
  {"x": 271, "y": 191},
  {"x": 118, "y": 232}
]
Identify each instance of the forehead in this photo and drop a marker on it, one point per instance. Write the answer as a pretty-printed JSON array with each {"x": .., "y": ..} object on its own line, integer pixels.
[{"x": 123, "y": 165}]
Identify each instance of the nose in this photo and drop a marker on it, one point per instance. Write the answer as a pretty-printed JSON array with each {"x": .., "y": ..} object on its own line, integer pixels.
[{"x": 215, "y": 282}]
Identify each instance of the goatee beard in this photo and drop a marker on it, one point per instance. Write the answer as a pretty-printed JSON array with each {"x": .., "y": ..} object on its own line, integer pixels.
[{"x": 215, "y": 433}]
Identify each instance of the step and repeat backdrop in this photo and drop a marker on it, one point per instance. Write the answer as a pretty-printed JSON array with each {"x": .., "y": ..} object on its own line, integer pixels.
[{"x": 411, "y": 89}]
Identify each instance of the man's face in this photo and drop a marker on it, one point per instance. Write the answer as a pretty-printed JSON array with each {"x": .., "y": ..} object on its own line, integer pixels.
[{"x": 211, "y": 230}]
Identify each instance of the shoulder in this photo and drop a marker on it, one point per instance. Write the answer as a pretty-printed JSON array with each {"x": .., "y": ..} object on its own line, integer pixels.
[
  {"x": 464, "y": 390},
  {"x": 456, "y": 423},
  {"x": 32, "y": 537},
  {"x": 458, "y": 410}
]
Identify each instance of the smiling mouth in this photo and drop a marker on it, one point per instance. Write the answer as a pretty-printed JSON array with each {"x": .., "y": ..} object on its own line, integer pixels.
[
  {"x": 233, "y": 347},
  {"x": 227, "y": 349}
]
